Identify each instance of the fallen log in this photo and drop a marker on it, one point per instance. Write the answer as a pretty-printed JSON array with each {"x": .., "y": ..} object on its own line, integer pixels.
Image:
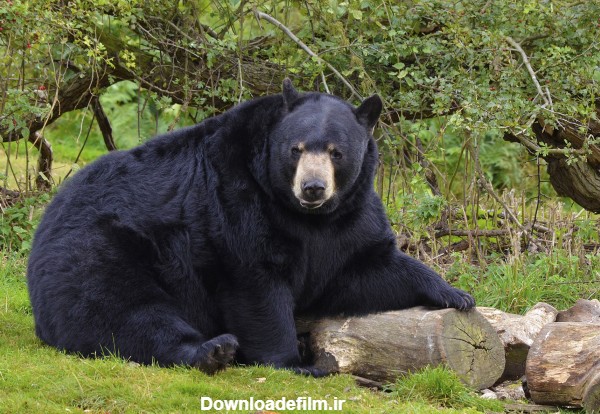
[
  {"x": 383, "y": 346},
  {"x": 583, "y": 311},
  {"x": 517, "y": 333},
  {"x": 563, "y": 365}
]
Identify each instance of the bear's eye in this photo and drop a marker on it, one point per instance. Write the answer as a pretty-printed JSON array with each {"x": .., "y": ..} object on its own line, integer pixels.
[
  {"x": 296, "y": 150},
  {"x": 336, "y": 155}
]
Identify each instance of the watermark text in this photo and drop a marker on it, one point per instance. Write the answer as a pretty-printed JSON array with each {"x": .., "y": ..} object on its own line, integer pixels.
[{"x": 282, "y": 404}]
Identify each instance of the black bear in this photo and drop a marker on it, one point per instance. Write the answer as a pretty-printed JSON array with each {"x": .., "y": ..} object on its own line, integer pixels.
[{"x": 201, "y": 246}]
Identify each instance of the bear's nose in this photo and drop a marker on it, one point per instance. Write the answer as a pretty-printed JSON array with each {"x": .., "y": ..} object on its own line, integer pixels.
[{"x": 313, "y": 190}]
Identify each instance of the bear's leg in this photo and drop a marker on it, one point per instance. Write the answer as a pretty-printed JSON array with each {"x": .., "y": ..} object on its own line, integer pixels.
[
  {"x": 125, "y": 294},
  {"x": 383, "y": 279},
  {"x": 158, "y": 334},
  {"x": 262, "y": 318},
  {"x": 170, "y": 319}
]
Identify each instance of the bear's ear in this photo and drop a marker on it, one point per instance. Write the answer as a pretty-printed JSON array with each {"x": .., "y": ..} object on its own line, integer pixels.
[
  {"x": 368, "y": 112},
  {"x": 290, "y": 94}
]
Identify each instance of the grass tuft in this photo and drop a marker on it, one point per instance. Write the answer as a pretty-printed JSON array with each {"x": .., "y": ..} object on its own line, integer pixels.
[{"x": 438, "y": 386}]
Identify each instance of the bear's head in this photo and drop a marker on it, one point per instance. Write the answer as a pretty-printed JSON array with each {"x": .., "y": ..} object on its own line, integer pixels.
[{"x": 318, "y": 148}]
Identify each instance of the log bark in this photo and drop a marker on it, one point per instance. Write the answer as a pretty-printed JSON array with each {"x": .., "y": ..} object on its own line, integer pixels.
[
  {"x": 583, "y": 311},
  {"x": 517, "y": 333},
  {"x": 383, "y": 346},
  {"x": 563, "y": 366}
]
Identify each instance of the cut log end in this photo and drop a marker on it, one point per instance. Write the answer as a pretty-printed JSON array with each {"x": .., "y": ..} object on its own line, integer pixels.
[{"x": 472, "y": 348}]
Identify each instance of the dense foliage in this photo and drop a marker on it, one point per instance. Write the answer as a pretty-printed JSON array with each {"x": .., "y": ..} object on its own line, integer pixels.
[{"x": 481, "y": 97}]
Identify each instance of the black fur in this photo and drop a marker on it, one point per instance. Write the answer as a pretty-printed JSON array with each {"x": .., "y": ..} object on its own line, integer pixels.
[{"x": 180, "y": 249}]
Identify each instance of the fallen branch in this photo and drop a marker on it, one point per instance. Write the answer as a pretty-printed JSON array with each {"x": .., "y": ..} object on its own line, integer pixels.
[
  {"x": 7, "y": 197},
  {"x": 471, "y": 233},
  {"x": 365, "y": 382},
  {"x": 487, "y": 186}
]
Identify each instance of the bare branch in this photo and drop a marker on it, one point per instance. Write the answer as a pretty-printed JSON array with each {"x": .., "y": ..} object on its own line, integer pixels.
[
  {"x": 446, "y": 231},
  {"x": 527, "y": 64},
  {"x": 288, "y": 32}
]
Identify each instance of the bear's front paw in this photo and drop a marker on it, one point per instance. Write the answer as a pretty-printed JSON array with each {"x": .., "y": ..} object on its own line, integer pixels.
[
  {"x": 216, "y": 354},
  {"x": 452, "y": 298}
]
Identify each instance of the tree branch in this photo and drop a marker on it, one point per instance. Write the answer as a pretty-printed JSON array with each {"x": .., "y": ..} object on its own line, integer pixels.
[
  {"x": 288, "y": 32},
  {"x": 517, "y": 46},
  {"x": 103, "y": 124}
]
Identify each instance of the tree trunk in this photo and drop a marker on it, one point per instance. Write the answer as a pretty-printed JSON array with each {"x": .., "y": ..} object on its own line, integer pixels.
[
  {"x": 383, "y": 346},
  {"x": 563, "y": 366},
  {"x": 579, "y": 180},
  {"x": 43, "y": 179}
]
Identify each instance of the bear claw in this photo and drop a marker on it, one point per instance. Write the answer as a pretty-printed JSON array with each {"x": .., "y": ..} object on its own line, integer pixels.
[{"x": 454, "y": 298}]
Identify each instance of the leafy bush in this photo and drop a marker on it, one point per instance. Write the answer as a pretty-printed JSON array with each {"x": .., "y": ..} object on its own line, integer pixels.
[{"x": 17, "y": 224}]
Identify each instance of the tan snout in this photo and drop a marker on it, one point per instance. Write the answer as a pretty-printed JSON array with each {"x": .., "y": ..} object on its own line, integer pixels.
[{"x": 314, "y": 180}]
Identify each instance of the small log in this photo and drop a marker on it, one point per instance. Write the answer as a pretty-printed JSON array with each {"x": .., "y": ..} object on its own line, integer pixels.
[
  {"x": 530, "y": 408},
  {"x": 563, "y": 366},
  {"x": 383, "y": 346},
  {"x": 517, "y": 333},
  {"x": 583, "y": 311},
  {"x": 367, "y": 383}
]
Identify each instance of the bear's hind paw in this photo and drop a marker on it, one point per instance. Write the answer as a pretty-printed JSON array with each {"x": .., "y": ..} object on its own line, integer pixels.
[{"x": 217, "y": 353}]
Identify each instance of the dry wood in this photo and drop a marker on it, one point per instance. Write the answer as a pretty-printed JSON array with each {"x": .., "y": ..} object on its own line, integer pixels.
[
  {"x": 530, "y": 408},
  {"x": 563, "y": 366},
  {"x": 367, "y": 383},
  {"x": 383, "y": 346},
  {"x": 517, "y": 333},
  {"x": 583, "y": 311}
]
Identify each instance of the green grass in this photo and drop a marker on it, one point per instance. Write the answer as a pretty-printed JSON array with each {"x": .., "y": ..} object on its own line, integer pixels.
[
  {"x": 37, "y": 378},
  {"x": 516, "y": 285},
  {"x": 441, "y": 387}
]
